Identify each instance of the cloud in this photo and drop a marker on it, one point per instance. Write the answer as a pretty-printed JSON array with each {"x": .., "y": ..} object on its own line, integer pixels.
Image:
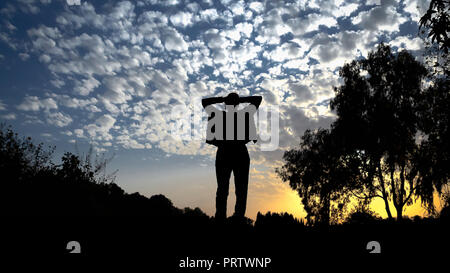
[
  {"x": 100, "y": 129},
  {"x": 118, "y": 90},
  {"x": 300, "y": 91},
  {"x": 29, "y": 6},
  {"x": 10, "y": 116},
  {"x": 315, "y": 20},
  {"x": 238, "y": 8},
  {"x": 257, "y": 6},
  {"x": 404, "y": 42},
  {"x": 416, "y": 8},
  {"x": 380, "y": 18},
  {"x": 173, "y": 40},
  {"x": 335, "y": 9},
  {"x": 33, "y": 103},
  {"x": 327, "y": 53},
  {"x": 45, "y": 58},
  {"x": 77, "y": 103},
  {"x": 86, "y": 86},
  {"x": 271, "y": 26},
  {"x": 8, "y": 10},
  {"x": 79, "y": 133},
  {"x": 24, "y": 56},
  {"x": 209, "y": 15},
  {"x": 129, "y": 143},
  {"x": 6, "y": 36},
  {"x": 310, "y": 23},
  {"x": 58, "y": 83},
  {"x": 122, "y": 68},
  {"x": 80, "y": 16},
  {"x": 171, "y": 2},
  {"x": 345, "y": 10},
  {"x": 285, "y": 52},
  {"x": 181, "y": 19},
  {"x": 2, "y": 106},
  {"x": 59, "y": 119}
]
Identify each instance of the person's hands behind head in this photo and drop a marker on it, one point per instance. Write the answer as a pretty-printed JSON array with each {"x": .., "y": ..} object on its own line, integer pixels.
[{"x": 232, "y": 99}]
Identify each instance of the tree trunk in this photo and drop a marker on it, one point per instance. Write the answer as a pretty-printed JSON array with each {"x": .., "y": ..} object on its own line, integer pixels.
[
  {"x": 325, "y": 213},
  {"x": 386, "y": 206},
  {"x": 399, "y": 213},
  {"x": 383, "y": 191}
]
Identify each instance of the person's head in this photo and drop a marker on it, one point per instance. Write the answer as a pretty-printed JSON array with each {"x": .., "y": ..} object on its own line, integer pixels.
[{"x": 232, "y": 99}]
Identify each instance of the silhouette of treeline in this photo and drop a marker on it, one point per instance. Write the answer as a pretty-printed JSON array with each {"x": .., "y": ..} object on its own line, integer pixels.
[
  {"x": 75, "y": 197},
  {"x": 47, "y": 205}
]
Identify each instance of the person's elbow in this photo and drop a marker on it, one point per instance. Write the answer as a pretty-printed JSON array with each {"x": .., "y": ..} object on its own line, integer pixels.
[
  {"x": 258, "y": 100},
  {"x": 204, "y": 103}
]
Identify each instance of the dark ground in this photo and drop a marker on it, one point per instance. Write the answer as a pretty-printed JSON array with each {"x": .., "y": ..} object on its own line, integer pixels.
[{"x": 159, "y": 242}]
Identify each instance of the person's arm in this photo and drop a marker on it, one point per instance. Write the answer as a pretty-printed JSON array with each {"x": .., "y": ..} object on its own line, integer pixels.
[
  {"x": 213, "y": 100},
  {"x": 255, "y": 100}
]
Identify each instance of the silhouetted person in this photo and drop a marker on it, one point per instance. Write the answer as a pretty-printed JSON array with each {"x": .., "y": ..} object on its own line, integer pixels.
[{"x": 230, "y": 130}]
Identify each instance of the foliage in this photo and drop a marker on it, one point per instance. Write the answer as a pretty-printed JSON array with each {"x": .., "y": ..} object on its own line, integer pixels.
[
  {"x": 283, "y": 221},
  {"x": 320, "y": 172},
  {"x": 20, "y": 158},
  {"x": 377, "y": 113},
  {"x": 433, "y": 156},
  {"x": 76, "y": 195},
  {"x": 437, "y": 19},
  {"x": 434, "y": 28},
  {"x": 362, "y": 214}
]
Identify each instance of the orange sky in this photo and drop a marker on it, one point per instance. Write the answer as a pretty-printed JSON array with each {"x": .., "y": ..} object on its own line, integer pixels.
[
  {"x": 287, "y": 200},
  {"x": 196, "y": 187}
]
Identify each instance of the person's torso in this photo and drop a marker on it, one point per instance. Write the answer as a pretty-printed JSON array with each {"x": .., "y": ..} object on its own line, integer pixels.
[{"x": 232, "y": 127}]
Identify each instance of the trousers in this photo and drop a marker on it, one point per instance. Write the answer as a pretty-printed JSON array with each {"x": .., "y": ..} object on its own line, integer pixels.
[{"x": 232, "y": 158}]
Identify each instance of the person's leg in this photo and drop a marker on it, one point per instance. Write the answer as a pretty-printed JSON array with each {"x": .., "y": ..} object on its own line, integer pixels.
[
  {"x": 223, "y": 173},
  {"x": 241, "y": 171}
]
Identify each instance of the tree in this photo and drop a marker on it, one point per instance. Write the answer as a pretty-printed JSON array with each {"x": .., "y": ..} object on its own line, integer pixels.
[
  {"x": 283, "y": 222},
  {"x": 322, "y": 174},
  {"x": 362, "y": 215},
  {"x": 79, "y": 168},
  {"x": 20, "y": 158},
  {"x": 433, "y": 158},
  {"x": 377, "y": 115}
]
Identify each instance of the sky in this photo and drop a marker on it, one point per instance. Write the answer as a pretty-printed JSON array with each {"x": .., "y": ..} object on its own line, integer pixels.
[{"x": 114, "y": 75}]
